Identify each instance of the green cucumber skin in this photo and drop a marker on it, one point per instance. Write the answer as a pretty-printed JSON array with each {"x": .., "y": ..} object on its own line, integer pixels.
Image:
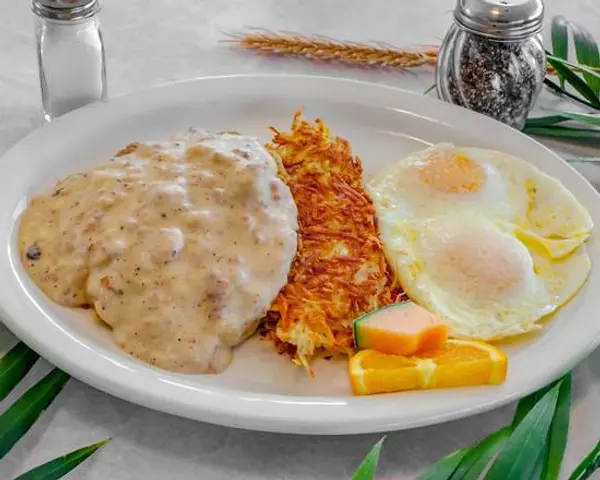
[{"x": 360, "y": 320}]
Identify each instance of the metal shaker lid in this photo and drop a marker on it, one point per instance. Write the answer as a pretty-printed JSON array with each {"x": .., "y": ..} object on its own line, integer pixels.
[
  {"x": 66, "y": 9},
  {"x": 501, "y": 19}
]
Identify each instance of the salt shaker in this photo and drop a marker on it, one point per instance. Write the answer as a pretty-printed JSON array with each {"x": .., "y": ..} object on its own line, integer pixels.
[
  {"x": 70, "y": 52},
  {"x": 492, "y": 59}
]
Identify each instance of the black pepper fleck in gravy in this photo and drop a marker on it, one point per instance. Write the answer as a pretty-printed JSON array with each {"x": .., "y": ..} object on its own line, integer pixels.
[{"x": 33, "y": 252}]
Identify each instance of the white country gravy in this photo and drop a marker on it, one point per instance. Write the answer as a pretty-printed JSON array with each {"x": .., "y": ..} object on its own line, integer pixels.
[{"x": 180, "y": 247}]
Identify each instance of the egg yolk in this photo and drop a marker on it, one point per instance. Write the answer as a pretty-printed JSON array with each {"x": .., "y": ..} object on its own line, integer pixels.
[
  {"x": 484, "y": 265},
  {"x": 452, "y": 173}
]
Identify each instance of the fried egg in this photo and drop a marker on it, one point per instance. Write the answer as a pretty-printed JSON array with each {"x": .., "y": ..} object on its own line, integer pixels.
[
  {"x": 481, "y": 238},
  {"x": 428, "y": 183}
]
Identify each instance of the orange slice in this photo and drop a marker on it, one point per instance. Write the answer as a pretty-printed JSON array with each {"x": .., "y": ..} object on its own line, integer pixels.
[{"x": 457, "y": 363}]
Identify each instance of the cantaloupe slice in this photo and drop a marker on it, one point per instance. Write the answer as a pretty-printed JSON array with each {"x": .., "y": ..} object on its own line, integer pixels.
[{"x": 400, "y": 329}]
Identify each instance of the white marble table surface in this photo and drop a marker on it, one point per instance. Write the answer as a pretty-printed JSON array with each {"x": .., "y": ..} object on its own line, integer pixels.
[{"x": 152, "y": 42}]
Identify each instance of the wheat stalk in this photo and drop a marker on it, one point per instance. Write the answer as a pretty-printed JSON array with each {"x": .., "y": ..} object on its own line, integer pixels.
[
  {"x": 329, "y": 50},
  {"x": 324, "y": 49}
]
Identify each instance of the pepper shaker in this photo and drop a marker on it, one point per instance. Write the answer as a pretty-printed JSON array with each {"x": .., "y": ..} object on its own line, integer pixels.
[
  {"x": 70, "y": 52},
  {"x": 492, "y": 59}
]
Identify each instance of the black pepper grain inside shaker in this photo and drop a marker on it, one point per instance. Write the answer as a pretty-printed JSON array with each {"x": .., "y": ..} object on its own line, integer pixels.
[
  {"x": 498, "y": 79},
  {"x": 33, "y": 252}
]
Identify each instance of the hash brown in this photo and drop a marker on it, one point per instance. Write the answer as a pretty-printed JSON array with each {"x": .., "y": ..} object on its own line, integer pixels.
[{"x": 340, "y": 271}]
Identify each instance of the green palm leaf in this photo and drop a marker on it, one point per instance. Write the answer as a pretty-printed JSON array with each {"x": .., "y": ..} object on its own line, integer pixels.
[
  {"x": 59, "y": 467},
  {"x": 545, "y": 121},
  {"x": 588, "y": 465},
  {"x": 527, "y": 403},
  {"x": 19, "y": 418},
  {"x": 559, "y": 431},
  {"x": 527, "y": 443},
  {"x": 560, "y": 40},
  {"x": 574, "y": 80},
  {"x": 479, "y": 456},
  {"x": 561, "y": 91},
  {"x": 592, "y": 119},
  {"x": 576, "y": 67},
  {"x": 366, "y": 470},
  {"x": 470, "y": 462},
  {"x": 583, "y": 117},
  {"x": 14, "y": 366},
  {"x": 445, "y": 467},
  {"x": 586, "y": 50},
  {"x": 563, "y": 132}
]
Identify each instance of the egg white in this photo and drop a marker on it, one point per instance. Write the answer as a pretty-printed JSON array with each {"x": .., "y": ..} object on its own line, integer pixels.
[{"x": 545, "y": 209}]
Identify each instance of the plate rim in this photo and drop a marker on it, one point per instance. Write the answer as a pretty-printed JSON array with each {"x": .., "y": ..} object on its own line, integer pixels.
[{"x": 244, "y": 415}]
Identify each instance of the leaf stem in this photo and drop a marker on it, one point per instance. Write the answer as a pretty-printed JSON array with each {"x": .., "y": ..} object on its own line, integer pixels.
[{"x": 553, "y": 86}]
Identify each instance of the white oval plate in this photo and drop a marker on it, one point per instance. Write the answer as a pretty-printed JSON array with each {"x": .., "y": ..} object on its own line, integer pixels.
[{"x": 262, "y": 390}]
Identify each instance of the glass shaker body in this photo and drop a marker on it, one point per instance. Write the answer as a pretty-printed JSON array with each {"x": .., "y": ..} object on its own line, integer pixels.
[
  {"x": 501, "y": 79},
  {"x": 71, "y": 63}
]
